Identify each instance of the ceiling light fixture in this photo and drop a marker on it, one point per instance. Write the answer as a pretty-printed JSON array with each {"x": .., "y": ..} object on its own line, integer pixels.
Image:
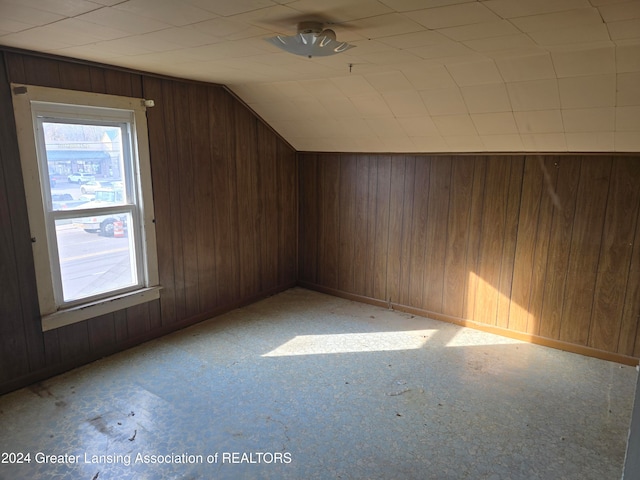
[{"x": 312, "y": 40}]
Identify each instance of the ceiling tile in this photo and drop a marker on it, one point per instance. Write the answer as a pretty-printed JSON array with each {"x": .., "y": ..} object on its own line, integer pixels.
[
  {"x": 167, "y": 11},
  {"x": 627, "y": 142},
  {"x": 125, "y": 21},
  {"x": 441, "y": 50},
  {"x": 408, "y": 5},
  {"x": 353, "y": 85},
  {"x": 534, "y": 95},
  {"x": 226, "y": 8},
  {"x": 30, "y": 16},
  {"x": 539, "y": 121},
  {"x": 386, "y": 127},
  {"x": 590, "y": 142},
  {"x": 480, "y": 30},
  {"x": 558, "y": 20},
  {"x": 476, "y": 73},
  {"x": 571, "y": 62},
  {"x": 628, "y": 58},
  {"x": 464, "y": 143},
  {"x": 454, "y": 125},
  {"x": 11, "y": 26},
  {"x": 589, "y": 120},
  {"x": 68, "y": 8},
  {"x": 531, "y": 67},
  {"x": 589, "y": 91},
  {"x": 628, "y": 119},
  {"x": 628, "y": 89},
  {"x": 521, "y": 8},
  {"x": 187, "y": 36},
  {"x": 486, "y": 98},
  {"x": 78, "y": 32},
  {"x": 340, "y": 107},
  {"x": 420, "y": 126},
  {"x": 386, "y": 25},
  {"x": 407, "y": 103},
  {"x": 496, "y": 44},
  {"x": 426, "y": 77},
  {"x": 625, "y": 29},
  {"x": 433, "y": 144},
  {"x": 620, "y": 11},
  {"x": 337, "y": 11},
  {"x": 494, "y": 123},
  {"x": 573, "y": 35},
  {"x": 36, "y": 39},
  {"x": 416, "y": 39},
  {"x": 446, "y": 101},
  {"x": 454, "y": 15},
  {"x": 388, "y": 58},
  {"x": 229, "y": 29},
  {"x": 544, "y": 142},
  {"x": 371, "y": 105},
  {"x": 502, "y": 143}
]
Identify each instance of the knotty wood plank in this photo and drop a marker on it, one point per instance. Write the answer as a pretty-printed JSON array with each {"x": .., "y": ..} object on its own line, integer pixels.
[
  {"x": 138, "y": 321},
  {"x": 585, "y": 249},
  {"x": 289, "y": 194},
  {"x": 419, "y": 230},
  {"x": 268, "y": 240},
  {"x": 14, "y": 67},
  {"x": 439, "y": 193},
  {"x": 102, "y": 332},
  {"x": 98, "y": 83},
  {"x": 42, "y": 71},
  {"x": 74, "y": 341},
  {"x": 347, "y": 220},
  {"x": 615, "y": 255},
  {"x": 455, "y": 271}
]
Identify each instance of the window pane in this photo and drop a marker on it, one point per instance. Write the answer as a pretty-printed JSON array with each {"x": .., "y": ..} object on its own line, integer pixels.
[
  {"x": 85, "y": 164},
  {"x": 96, "y": 255}
]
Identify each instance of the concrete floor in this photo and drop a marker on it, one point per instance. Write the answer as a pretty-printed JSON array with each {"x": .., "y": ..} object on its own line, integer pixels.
[{"x": 304, "y": 385}]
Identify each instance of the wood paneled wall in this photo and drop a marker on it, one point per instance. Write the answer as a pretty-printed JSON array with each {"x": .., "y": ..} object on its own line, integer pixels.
[
  {"x": 225, "y": 204},
  {"x": 547, "y": 246}
]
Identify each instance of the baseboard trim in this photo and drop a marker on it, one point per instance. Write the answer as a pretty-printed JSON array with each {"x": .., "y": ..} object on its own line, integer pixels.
[{"x": 525, "y": 337}]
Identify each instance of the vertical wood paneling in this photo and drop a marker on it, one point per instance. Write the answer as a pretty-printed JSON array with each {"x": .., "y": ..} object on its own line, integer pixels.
[
  {"x": 225, "y": 207},
  {"x": 585, "y": 249},
  {"x": 560, "y": 238},
  {"x": 436, "y": 244},
  {"x": 407, "y": 228},
  {"x": 396, "y": 214},
  {"x": 615, "y": 255},
  {"x": 419, "y": 230},
  {"x": 329, "y": 212},
  {"x": 310, "y": 223},
  {"x": 347, "y": 223},
  {"x": 361, "y": 252},
  {"x": 483, "y": 238},
  {"x": 532, "y": 187},
  {"x": 455, "y": 268}
]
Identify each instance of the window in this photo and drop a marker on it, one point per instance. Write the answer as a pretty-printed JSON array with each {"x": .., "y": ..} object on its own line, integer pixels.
[{"x": 87, "y": 179}]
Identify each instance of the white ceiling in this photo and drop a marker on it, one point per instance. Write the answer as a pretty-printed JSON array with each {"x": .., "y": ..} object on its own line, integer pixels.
[{"x": 426, "y": 76}]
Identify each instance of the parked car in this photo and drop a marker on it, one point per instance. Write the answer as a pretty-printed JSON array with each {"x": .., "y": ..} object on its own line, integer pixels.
[
  {"x": 64, "y": 201},
  {"x": 81, "y": 177},
  {"x": 103, "y": 224},
  {"x": 92, "y": 186}
]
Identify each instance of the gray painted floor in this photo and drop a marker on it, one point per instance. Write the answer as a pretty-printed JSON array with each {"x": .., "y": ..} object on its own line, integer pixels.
[{"x": 305, "y": 386}]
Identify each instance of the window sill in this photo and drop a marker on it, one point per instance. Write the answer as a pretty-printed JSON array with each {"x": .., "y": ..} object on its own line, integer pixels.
[{"x": 80, "y": 313}]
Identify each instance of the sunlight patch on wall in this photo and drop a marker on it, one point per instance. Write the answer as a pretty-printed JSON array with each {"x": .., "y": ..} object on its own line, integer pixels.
[{"x": 352, "y": 343}]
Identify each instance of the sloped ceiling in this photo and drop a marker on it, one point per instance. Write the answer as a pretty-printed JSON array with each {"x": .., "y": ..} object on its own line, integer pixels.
[{"x": 426, "y": 76}]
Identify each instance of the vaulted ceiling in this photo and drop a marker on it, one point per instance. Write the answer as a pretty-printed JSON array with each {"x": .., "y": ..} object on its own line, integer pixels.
[{"x": 426, "y": 76}]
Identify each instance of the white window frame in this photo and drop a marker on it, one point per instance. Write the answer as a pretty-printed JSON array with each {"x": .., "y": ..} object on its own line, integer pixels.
[{"x": 31, "y": 103}]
